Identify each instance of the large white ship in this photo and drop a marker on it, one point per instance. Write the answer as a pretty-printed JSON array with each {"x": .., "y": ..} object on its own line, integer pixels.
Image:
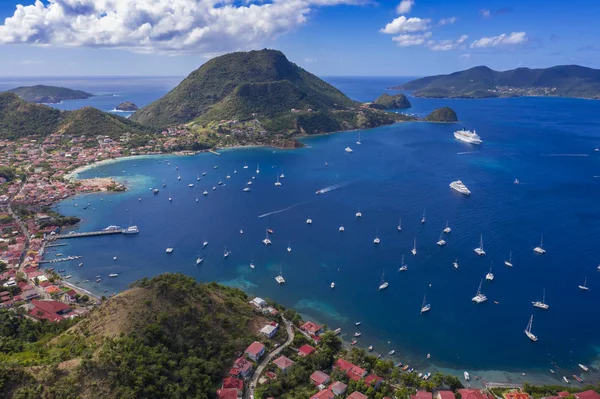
[
  {"x": 468, "y": 136},
  {"x": 460, "y": 187}
]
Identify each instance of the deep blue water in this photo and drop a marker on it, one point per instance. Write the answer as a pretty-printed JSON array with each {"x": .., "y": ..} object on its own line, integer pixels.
[{"x": 397, "y": 171}]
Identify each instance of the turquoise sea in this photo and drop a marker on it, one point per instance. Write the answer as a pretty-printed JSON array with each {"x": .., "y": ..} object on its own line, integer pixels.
[{"x": 398, "y": 171}]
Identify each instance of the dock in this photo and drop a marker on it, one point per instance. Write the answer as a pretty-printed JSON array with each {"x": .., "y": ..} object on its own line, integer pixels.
[
  {"x": 55, "y": 245},
  {"x": 68, "y": 258},
  {"x": 214, "y": 152},
  {"x": 89, "y": 234}
]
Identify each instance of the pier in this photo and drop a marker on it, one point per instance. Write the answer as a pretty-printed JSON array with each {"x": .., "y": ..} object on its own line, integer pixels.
[
  {"x": 214, "y": 152},
  {"x": 55, "y": 245},
  {"x": 68, "y": 258},
  {"x": 89, "y": 234}
]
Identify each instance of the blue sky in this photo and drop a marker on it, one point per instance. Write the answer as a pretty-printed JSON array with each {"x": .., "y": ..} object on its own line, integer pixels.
[{"x": 327, "y": 37}]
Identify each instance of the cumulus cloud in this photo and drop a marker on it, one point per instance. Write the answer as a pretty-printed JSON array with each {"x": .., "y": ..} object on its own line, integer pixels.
[
  {"x": 405, "y": 6},
  {"x": 513, "y": 39},
  {"x": 485, "y": 13},
  {"x": 168, "y": 26},
  {"x": 411, "y": 40},
  {"x": 447, "y": 21},
  {"x": 406, "y": 25},
  {"x": 445, "y": 45}
]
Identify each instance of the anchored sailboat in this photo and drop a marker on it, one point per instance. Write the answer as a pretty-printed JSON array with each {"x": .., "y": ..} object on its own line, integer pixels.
[
  {"x": 423, "y": 218},
  {"x": 383, "y": 284},
  {"x": 509, "y": 261},
  {"x": 479, "y": 297},
  {"x": 266, "y": 241},
  {"x": 403, "y": 267},
  {"x": 490, "y": 275},
  {"x": 441, "y": 242},
  {"x": 479, "y": 250},
  {"x": 425, "y": 307},
  {"x": 584, "y": 287},
  {"x": 542, "y": 304},
  {"x": 447, "y": 229},
  {"x": 528, "y": 330},
  {"x": 399, "y": 224},
  {"x": 279, "y": 278},
  {"x": 414, "y": 250},
  {"x": 540, "y": 250}
]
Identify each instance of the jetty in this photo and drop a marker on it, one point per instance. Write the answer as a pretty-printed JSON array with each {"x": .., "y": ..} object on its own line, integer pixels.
[
  {"x": 214, "y": 152},
  {"x": 68, "y": 258},
  {"x": 88, "y": 234},
  {"x": 56, "y": 245}
]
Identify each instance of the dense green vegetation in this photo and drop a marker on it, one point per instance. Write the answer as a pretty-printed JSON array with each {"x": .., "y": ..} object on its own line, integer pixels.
[
  {"x": 8, "y": 173},
  {"x": 482, "y": 82},
  {"x": 541, "y": 391},
  {"x": 444, "y": 114},
  {"x": 127, "y": 106},
  {"x": 261, "y": 85},
  {"x": 166, "y": 337},
  {"x": 387, "y": 101},
  {"x": 48, "y": 94},
  {"x": 19, "y": 118}
]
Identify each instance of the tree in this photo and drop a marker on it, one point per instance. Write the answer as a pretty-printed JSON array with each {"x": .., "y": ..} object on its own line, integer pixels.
[
  {"x": 2, "y": 266},
  {"x": 331, "y": 341}
]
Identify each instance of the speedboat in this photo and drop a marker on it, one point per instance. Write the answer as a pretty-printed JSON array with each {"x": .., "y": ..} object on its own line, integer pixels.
[
  {"x": 205, "y": 192},
  {"x": 113, "y": 275},
  {"x": 358, "y": 323},
  {"x": 246, "y": 189},
  {"x": 460, "y": 187},
  {"x": 583, "y": 367},
  {"x": 169, "y": 250},
  {"x": 357, "y": 334},
  {"x": 204, "y": 244},
  {"x": 376, "y": 240},
  {"x": 391, "y": 353}
]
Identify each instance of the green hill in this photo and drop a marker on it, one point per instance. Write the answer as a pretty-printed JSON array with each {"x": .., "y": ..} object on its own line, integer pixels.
[
  {"x": 387, "y": 101},
  {"x": 48, "y": 94},
  {"x": 19, "y": 118},
  {"x": 260, "y": 85},
  {"x": 168, "y": 337},
  {"x": 482, "y": 82},
  {"x": 444, "y": 114}
]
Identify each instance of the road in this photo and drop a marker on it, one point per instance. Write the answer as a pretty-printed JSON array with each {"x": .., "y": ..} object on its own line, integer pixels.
[
  {"x": 261, "y": 366},
  {"x": 23, "y": 229}
]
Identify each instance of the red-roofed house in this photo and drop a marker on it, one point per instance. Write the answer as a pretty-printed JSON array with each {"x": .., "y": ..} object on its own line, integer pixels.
[
  {"x": 343, "y": 364},
  {"x": 283, "y": 363},
  {"x": 564, "y": 394},
  {"x": 305, "y": 350},
  {"x": 587, "y": 395},
  {"x": 229, "y": 393},
  {"x": 70, "y": 296},
  {"x": 471, "y": 394},
  {"x": 324, "y": 394},
  {"x": 445, "y": 395},
  {"x": 357, "y": 395},
  {"x": 422, "y": 395},
  {"x": 319, "y": 378},
  {"x": 231, "y": 382},
  {"x": 356, "y": 373},
  {"x": 312, "y": 328},
  {"x": 255, "y": 351},
  {"x": 338, "y": 388},
  {"x": 241, "y": 368},
  {"x": 49, "y": 310},
  {"x": 373, "y": 380},
  {"x": 52, "y": 289}
]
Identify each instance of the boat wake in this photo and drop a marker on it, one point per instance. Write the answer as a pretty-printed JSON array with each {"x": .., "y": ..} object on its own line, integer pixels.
[
  {"x": 466, "y": 152},
  {"x": 330, "y": 188},
  {"x": 565, "y": 155},
  {"x": 281, "y": 210}
]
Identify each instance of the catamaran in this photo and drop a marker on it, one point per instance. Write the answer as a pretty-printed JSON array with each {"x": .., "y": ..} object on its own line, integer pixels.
[
  {"x": 479, "y": 250},
  {"x": 399, "y": 224},
  {"x": 479, "y": 297},
  {"x": 509, "y": 261},
  {"x": 542, "y": 304},
  {"x": 403, "y": 267},
  {"x": 280, "y": 278},
  {"x": 584, "y": 287},
  {"x": 441, "y": 242},
  {"x": 414, "y": 250},
  {"x": 447, "y": 229},
  {"x": 425, "y": 307},
  {"x": 278, "y": 183},
  {"x": 376, "y": 240},
  {"x": 267, "y": 241},
  {"x": 528, "y": 330},
  {"x": 358, "y": 214},
  {"x": 490, "y": 275},
  {"x": 383, "y": 284},
  {"x": 540, "y": 249}
]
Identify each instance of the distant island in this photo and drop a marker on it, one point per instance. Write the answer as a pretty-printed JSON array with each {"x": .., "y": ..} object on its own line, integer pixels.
[
  {"x": 482, "y": 82},
  {"x": 41, "y": 94},
  {"x": 127, "y": 107},
  {"x": 388, "y": 101}
]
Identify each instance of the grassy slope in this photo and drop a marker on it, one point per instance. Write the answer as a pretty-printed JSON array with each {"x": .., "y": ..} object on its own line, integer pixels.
[{"x": 167, "y": 337}]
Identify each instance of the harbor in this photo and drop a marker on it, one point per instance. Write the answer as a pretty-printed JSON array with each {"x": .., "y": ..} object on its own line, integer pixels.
[{"x": 66, "y": 259}]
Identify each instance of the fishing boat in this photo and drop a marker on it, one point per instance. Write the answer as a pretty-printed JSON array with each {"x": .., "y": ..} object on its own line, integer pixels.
[
  {"x": 583, "y": 367},
  {"x": 479, "y": 250},
  {"x": 403, "y": 267},
  {"x": 441, "y": 242},
  {"x": 414, "y": 250},
  {"x": 332, "y": 285},
  {"x": 479, "y": 297},
  {"x": 169, "y": 250},
  {"x": 577, "y": 378},
  {"x": 266, "y": 241},
  {"x": 353, "y": 342},
  {"x": 540, "y": 250},
  {"x": 370, "y": 348},
  {"x": 399, "y": 228},
  {"x": 383, "y": 284},
  {"x": 423, "y": 217},
  {"x": 455, "y": 263},
  {"x": 425, "y": 307},
  {"x": 279, "y": 278},
  {"x": 528, "y": 330},
  {"x": 509, "y": 261},
  {"x": 541, "y": 304},
  {"x": 447, "y": 229},
  {"x": 199, "y": 260},
  {"x": 490, "y": 275},
  {"x": 584, "y": 287},
  {"x": 391, "y": 353}
]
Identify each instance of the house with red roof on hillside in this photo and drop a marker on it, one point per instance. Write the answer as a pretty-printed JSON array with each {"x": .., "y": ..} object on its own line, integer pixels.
[
  {"x": 324, "y": 394},
  {"x": 473, "y": 394},
  {"x": 228, "y": 393},
  {"x": 242, "y": 368},
  {"x": 422, "y": 395},
  {"x": 445, "y": 395},
  {"x": 312, "y": 328},
  {"x": 255, "y": 351},
  {"x": 357, "y": 395},
  {"x": 373, "y": 380},
  {"x": 49, "y": 310},
  {"x": 353, "y": 372},
  {"x": 283, "y": 363},
  {"x": 587, "y": 395},
  {"x": 338, "y": 388},
  {"x": 319, "y": 378},
  {"x": 305, "y": 350}
]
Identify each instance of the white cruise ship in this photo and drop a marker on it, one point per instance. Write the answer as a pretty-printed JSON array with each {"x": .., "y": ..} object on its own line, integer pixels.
[
  {"x": 468, "y": 136},
  {"x": 460, "y": 187}
]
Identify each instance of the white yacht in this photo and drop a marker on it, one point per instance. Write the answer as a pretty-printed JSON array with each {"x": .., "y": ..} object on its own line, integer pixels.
[
  {"x": 399, "y": 228},
  {"x": 341, "y": 229},
  {"x": 455, "y": 263},
  {"x": 540, "y": 250},
  {"x": 467, "y": 376},
  {"x": 169, "y": 250},
  {"x": 226, "y": 253},
  {"x": 204, "y": 244},
  {"x": 257, "y": 169},
  {"x": 516, "y": 181},
  {"x": 245, "y": 166},
  {"x": 115, "y": 258},
  {"x": 242, "y": 230},
  {"x": 309, "y": 221},
  {"x": 199, "y": 260},
  {"x": 358, "y": 214},
  {"x": 414, "y": 250},
  {"x": 542, "y": 304},
  {"x": 178, "y": 177},
  {"x": 584, "y": 367},
  {"x": 383, "y": 284},
  {"x": 252, "y": 265},
  {"x": 425, "y": 307},
  {"x": 528, "y": 330},
  {"x": 479, "y": 297},
  {"x": 423, "y": 218},
  {"x": 191, "y": 185},
  {"x": 509, "y": 261},
  {"x": 377, "y": 240},
  {"x": 348, "y": 149},
  {"x": 332, "y": 285},
  {"x": 358, "y": 141},
  {"x": 289, "y": 247},
  {"x": 267, "y": 241},
  {"x": 279, "y": 278},
  {"x": 131, "y": 230},
  {"x": 113, "y": 275},
  {"x": 584, "y": 287},
  {"x": 246, "y": 189},
  {"x": 447, "y": 230},
  {"x": 468, "y": 136},
  {"x": 403, "y": 267},
  {"x": 460, "y": 187},
  {"x": 490, "y": 275},
  {"x": 479, "y": 250},
  {"x": 441, "y": 242},
  {"x": 205, "y": 192},
  {"x": 170, "y": 197},
  {"x": 282, "y": 175},
  {"x": 228, "y": 177},
  {"x": 203, "y": 173}
]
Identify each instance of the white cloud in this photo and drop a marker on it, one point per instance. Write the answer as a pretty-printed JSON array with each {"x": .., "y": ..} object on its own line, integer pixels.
[
  {"x": 485, "y": 13},
  {"x": 445, "y": 45},
  {"x": 411, "y": 40},
  {"x": 447, "y": 21},
  {"x": 167, "y": 26},
  {"x": 406, "y": 25},
  {"x": 513, "y": 39},
  {"x": 405, "y": 6}
]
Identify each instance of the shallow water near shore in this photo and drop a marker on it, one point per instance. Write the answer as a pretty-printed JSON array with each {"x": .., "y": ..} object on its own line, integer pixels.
[{"x": 397, "y": 171}]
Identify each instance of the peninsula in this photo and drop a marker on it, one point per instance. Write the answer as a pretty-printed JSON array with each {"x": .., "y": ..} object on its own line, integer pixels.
[
  {"x": 41, "y": 94},
  {"x": 483, "y": 82},
  {"x": 388, "y": 101}
]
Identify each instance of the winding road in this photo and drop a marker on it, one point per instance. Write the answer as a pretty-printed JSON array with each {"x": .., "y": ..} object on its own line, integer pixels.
[{"x": 261, "y": 366}]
